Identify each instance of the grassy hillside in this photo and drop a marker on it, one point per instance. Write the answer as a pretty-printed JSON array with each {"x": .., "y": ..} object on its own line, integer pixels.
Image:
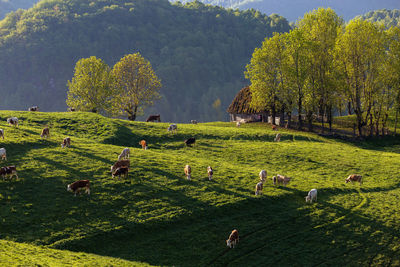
[{"x": 158, "y": 217}]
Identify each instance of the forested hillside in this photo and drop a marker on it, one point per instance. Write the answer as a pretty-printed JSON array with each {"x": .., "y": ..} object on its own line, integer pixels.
[
  {"x": 199, "y": 51},
  {"x": 292, "y": 10},
  {"x": 388, "y": 17},
  {"x": 6, "y": 6}
]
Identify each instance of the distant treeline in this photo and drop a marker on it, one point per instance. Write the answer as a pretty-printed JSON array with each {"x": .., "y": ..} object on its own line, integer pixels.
[
  {"x": 389, "y": 18},
  {"x": 199, "y": 51},
  {"x": 6, "y": 6}
]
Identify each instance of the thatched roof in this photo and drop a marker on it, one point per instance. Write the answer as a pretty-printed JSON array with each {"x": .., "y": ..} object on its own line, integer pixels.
[{"x": 241, "y": 103}]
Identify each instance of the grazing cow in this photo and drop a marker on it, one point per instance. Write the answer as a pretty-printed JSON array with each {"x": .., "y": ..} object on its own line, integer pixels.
[
  {"x": 3, "y": 153},
  {"x": 9, "y": 171},
  {"x": 188, "y": 172},
  {"x": 70, "y": 109},
  {"x": 193, "y": 121},
  {"x": 79, "y": 185},
  {"x": 143, "y": 143},
  {"x": 124, "y": 154},
  {"x": 172, "y": 128},
  {"x": 34, "y": 108},
  {"x": 259, "y": 187},
  {"x": 13, "y": 121},
  {"x": 190, "y": 141},
  {"x": 210, "y": 172},
  {"x": 66, "y": 142},
  {"x": 238, "y": 124},
  {"x": 354, "y": 178},
  {"x": 262, "y": 175},
  {"x": 233, "y": 239},
  {"x": 277, "y": 137},
  {"x": 274, "y": 127},
  {"x": 121, "y": 171},
  {"x": 154, "y": 118},
  {"x": 2, "y": 133},
  {"x": 121, "y": 163},
  {"x": 280, "y": 179},
  {"x": 45, "y": 132},
  {"x": 311, "y": 195}
]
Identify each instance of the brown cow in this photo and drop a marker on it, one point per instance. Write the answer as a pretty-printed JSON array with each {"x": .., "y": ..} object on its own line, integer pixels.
[
  {"x": 45, "y": 132},
  {"x": 354, "y": 178},
  {"x": 2, "y": 133},
  {"x": 188, "y": 171},
  {"x": 143, "y": 143},
  {"x": 9, "y": 171},
  {"x": 66, "y": 142},
  {"x": 79, "y": 185},
  {"x": 154, "y": 118},
  {"x": 259, "y": 187},
  {"x": 120, "y": 163},
  {"x": 280, "y": 179},
  {"x": 121, "y": 171},
  {"x": 233, "y": 239}
]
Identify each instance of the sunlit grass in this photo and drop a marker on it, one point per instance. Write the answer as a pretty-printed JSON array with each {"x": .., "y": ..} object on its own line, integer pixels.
[{"x": 158, "y": 217}]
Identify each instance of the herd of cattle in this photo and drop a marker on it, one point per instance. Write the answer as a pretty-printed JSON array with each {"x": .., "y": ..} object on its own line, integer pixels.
[{"x": 121, "y": 167}]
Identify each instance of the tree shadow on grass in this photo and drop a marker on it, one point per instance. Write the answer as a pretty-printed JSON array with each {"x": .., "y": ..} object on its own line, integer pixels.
[{"x": 272, "y": 231}]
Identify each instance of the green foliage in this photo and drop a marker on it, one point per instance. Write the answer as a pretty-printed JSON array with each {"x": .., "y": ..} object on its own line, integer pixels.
[
  {"x": 198, "y": 51},
  {"x": 156, "y": 216},
  {"x": 320, "y": 66},
  {"x": 91, "y": 88},
  {"x": 137, "y": 85}
]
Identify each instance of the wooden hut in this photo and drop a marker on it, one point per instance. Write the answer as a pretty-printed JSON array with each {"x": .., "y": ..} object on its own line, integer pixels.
[{"x": 240, "y": 110}]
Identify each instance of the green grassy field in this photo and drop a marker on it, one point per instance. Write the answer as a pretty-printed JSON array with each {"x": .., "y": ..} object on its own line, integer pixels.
[{"x": 157, "y": 217}]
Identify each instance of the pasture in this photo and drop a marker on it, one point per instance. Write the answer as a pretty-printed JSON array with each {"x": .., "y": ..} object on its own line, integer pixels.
[{"x": 157, "y": 217}]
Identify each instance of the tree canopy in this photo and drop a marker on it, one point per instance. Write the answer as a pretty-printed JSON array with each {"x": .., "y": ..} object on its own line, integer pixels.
[
  {"x": 91, "y": 87},
  {"x": 137, "y": 85},
  {"x": 323, "y": 65}
]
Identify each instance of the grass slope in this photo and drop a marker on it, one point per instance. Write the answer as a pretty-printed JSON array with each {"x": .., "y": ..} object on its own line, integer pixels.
[{"x": 157, "y": 217}]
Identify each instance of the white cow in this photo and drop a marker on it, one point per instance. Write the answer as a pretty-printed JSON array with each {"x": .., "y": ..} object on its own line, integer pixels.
[
  {"x": 311, "y": 195},
  {"x": 3, "y": 153},
  {"x": 172, "y": 128},
  {"x": 277, "y": 137},
  {"x": 263, "y": 175},
  {"x": 124, "y": 154},
  {"x": 12, "y": 121},
  {"x": 188, "y": 172}
]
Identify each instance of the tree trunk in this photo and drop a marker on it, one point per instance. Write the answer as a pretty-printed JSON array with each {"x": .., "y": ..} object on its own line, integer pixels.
[
  {"x": 132, "y": 114},
  {"x": 330, "y": 117},
  {"x": 282, "y": 117},
  {"x": 273, "y": 114},
  {"x": 395, "y": 122},
  {"x": 309, "y": 119},
  {"x": 349, "y": 108},
  {"x": 289, "y": 121}
]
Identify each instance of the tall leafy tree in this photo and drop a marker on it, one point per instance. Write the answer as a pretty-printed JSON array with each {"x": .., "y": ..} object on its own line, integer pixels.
[
  {"x": 137, "y": 85},
  {"x": 392, "y": 68},
  {"x": 91, "y": 86},
  {"x": 266, "y": 74},
  {"x": 360, "y": 52},
  {"x": 297, "y": 67},
  {"x": 321, "y": 27}
]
